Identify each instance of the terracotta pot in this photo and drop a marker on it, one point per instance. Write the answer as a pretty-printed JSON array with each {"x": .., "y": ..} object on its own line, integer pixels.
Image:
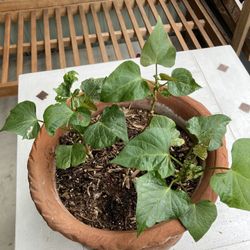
[{"x": 41, "y": 170}]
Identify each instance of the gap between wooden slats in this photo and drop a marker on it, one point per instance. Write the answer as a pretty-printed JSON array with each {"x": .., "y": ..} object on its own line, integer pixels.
[
  {"x": 72, "y": 31},
  {"x": 173, "y": 24},
  {"x": 98, "y": 33},
  {"x": 85, "y": 29},
  {"x": 60, "y": 39},
  {"x": 33, "y": 42},
  {"x": 124, "y": 30},
  {"x": 6, "y": 49},
  {"x": 47, "y": 47},
  {"x": 184, "y": 21},
  {"x": 112, "y": 31},
  {"x": 134, "y": 23},
  {"x": 19, "y": 69},
  {"x": 196, "y": 20}
]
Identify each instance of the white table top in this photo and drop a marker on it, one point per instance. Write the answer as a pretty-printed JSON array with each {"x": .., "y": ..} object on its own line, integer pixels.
[{"x": 222, "y": 92}]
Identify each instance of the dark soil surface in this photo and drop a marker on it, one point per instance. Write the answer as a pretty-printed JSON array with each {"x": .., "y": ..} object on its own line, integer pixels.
[{"x": 101, "y": 194}]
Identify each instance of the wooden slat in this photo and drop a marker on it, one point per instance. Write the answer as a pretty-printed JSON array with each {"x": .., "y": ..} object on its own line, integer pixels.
[
  {"x": 173, "y": 24},
  {"x": 8, "y": 89},
  {"x": 89, "y": 49},
  {"x": 184, "y": 21},
  {"x": 211, "y": 23},
  {"x": 6, "y": 49},
  {"x": 72, "y": 31},
  {"x": 242, "y": 28},
  {"x": 200, "y": 27},
  {"x": 60, "y": 39},
  {"x": 153, "y": 9},
  {"x": 33, "y": 42},
  {"x": 19, "y": 68},
  {"x": 134, "y": 23},
  {"x": 144, "y": 16},
  {"x": 112, "y": 31},
  {"x": 98, "y": 33},
  {"x": 124, "y": 30},
  {"x": 47, "y": 47}
]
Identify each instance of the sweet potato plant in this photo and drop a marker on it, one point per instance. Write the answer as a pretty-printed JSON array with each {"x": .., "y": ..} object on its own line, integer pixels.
[{"x": 149, "y": 152}]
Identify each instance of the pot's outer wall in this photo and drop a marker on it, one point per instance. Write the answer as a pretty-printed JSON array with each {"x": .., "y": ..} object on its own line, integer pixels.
[{"x": 41, "y": 169}]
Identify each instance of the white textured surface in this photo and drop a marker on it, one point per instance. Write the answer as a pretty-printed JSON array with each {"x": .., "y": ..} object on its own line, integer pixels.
[{"x": 221, "y": 93}]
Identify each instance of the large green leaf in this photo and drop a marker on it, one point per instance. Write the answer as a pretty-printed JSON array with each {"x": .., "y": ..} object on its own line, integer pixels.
[
  {"x": 183, "y": 83},
  {"x": 69, "y": 155},
  {"x": 150, "y": 149},
  {"x": 22, "y": 120},
  {"x": 233, "y": 187},
  {"x": 209, "y": 130},
  {"x": 56, "y": 116},
  {"x": 124, "y": 84},
  {"x": 199, "y": 218},
  {"x": 63, "y": 91},
  {"x": 157, "y": 202},
  {"x": 158, "y": 49},
  {"x": 92, "y": 87},
  {"x": 104, "y": 133}
]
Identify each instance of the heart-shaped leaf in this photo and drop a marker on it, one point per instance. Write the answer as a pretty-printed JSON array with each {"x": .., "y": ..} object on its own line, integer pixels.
[
  {"x": 92, "y": 87},
  {"x": 199, "y": 218},
  {"x": 56, "y": 116},
  {"x": 81, "y": 117},
  {"x": 22, "y": 120},
  {"x": 69, "y": 155},
  {"x": 158, "y": 49},
  {"x": 157, "y": 202},
  {"x": 233, "y": 187},
  {"x": 125, "y": 84},
  {"x": 63, "y": 91},
  {"x": 209, "y": 130},
  {"x": 150, "y": 149},
  {"x": 182, "y": 83},
  {"x": 104, "y": 133}
]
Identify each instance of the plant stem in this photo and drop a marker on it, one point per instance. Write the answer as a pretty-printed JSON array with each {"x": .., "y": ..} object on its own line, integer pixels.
[
  {"x": 172, "y": 182},
  {"x": 177, "y": 161},
  {"x": 155, "y": 90}
]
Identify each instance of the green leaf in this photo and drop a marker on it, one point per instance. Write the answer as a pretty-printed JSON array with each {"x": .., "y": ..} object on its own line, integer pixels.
[
  {"x": 201, "y": 151},
  {"x": 158, "y": 49},
  {"x": 63, "y": 91},
  {"x": 80, "y": 118},
  {"x": 125, "y": 84},
  {"x": 22, "y": 120},
  {"x": 157, "y": 202},
  {"x": 56, "y": 116},
  {"x": 69, "y": 155},
  {"x": 209, "y": 130},
  {"x": 150, "y": 149},
  {"x": 199, "y": 218},
  {"x": 92, "y": 87},
  {"x": 111, "y": 125},
  {"x": 83, "y": 101},
  {"x": 166, "y": 77},
  {"x": 182, "y": 83},
  {"x": 165, "y": 92},
  {"x": 233, "y": 187}
]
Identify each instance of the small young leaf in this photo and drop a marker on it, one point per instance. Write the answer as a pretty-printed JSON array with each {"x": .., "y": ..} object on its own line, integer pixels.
[
  {"x": 182, "y": 83},
  {"x": 69, "y": 155},
  {"x": 92, "y": 87},
  {"x": 201, "y": 151},
  {"x": 209, "y": 130},
  {"x": 156, "y": 202},
  {"x": 158, "y": 49},
  {"x": 166, "y": 77},
  {"x": 150, "y": 149},
  {"x": 199, "y": 218},
  {"x": 81, "y": 117},
  {"x": 125, "y": 84},
  {"x": 165, "y": 92},
  {"x": 63, "y": 91},
  {"x": 22, "y": 120},
  {"x": 233, "y": 187},
  {"x": 105, "y": 132},
  {"x": 83, "y": 101},
  {"x": 56, "y": 116}
]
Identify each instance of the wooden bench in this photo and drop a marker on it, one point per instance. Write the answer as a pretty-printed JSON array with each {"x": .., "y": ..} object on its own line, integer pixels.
[{"x": 47, "y": 35}]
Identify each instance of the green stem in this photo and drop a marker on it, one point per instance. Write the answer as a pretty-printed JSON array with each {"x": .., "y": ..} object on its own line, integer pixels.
[
  {"x": 156, "y": 88},
  {"x": 177, "y": 161},
  {"x": 172, "y": 182}
]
